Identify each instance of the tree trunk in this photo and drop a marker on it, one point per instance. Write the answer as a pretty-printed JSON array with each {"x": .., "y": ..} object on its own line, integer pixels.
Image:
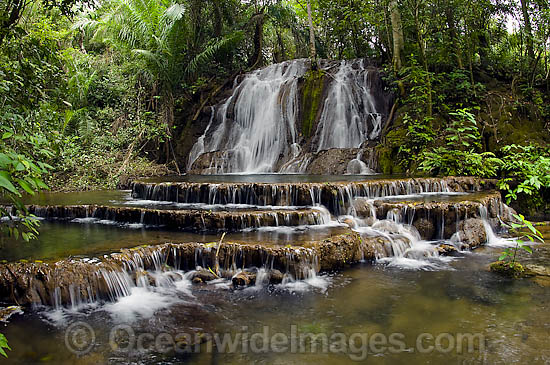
[
  {"x": 218, "y": 22},
  {"x": 420, "y": 41},
  {"x": 398, "y": 39},
  {"x": 453, "y": 34},
  {"x": 257, "y": 58},
  {"x": 282, "y": 51},
  {"x": 10, "y": 15},
  {"x": 312, "y": 51},
  {"x": 528, "y": 30}
]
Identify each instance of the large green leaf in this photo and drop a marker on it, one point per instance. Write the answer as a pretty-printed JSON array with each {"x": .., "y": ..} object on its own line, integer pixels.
[
  {"x": 5, "y": 182},
  {"x": 25, "y": 186}
]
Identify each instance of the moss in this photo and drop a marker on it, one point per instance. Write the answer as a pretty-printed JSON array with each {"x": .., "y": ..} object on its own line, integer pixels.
[
  {"x": 504, "y": 268},
  {"x": 311, "y": 99},
  {"x": 385, "y": 160},
  {"x": 388, "y": 150}
]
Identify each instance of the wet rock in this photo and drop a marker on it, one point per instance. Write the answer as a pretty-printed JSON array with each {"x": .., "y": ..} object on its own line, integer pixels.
[
  {"x": 243, "y": 278},
  {"x": 335, "y": 161},
  {"x": 71, "y": 281},
  {"x": 447, "y": 250},
  {"x": 189, "y": 220},
  {"x": 350, "y": 222},
  {"x": 471, "y": 233},
  {"x": 203, "y": 276},
  {"x": 425, "y": 228},
  {"x": 342, "y": 250},
  {"x": 275, "y": 277},
  {"x": 436, "y": 219},
  {"x": 536, "y": 270},
  {"x": 504, "y": 268},
  {"x": 334, "y": 196}
]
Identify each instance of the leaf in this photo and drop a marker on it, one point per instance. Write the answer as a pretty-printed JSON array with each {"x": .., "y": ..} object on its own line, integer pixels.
[
  {"x": 528, "y": 249},
  {"x": 7, "y": 135},
  {"x": 40, "y": 183},
  {"x": 25, "y": 186},
  {"x": 4, "y": 345},
  {"x": 6, "y": 183}
]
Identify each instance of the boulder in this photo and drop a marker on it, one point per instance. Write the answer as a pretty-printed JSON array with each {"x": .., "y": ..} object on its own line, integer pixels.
[
  {"x": 243, "y": 278},
  {"x": 471, "y": 233},
  {"x": 536, "y": 270}
]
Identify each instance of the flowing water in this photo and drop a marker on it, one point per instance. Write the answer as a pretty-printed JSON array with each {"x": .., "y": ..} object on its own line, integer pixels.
[
  {"x": 141, "y": 276},
  {"x": 409, "y": 290},
  {"x": 512, "y": 317},
  {"x": 256, "y": 129}
]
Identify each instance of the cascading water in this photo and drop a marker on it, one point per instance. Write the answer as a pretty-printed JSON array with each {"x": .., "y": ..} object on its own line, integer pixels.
[
  {"x": 198, "y": 147},
  {"x": 256, "y": 130},
  {"x": 349, "y": 113},
  {"x": 257, "y": 123}
]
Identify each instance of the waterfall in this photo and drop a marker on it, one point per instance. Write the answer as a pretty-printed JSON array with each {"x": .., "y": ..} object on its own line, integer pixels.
[
  {"x": 257, "y": 123},
  {"x": 349, "y": 114},
  {"x": 198, "y": 147},
  {"x": 258, "y": 128}
]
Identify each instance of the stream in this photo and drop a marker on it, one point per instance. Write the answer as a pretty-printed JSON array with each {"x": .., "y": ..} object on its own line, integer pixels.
[{"x": 405, "y": 300}]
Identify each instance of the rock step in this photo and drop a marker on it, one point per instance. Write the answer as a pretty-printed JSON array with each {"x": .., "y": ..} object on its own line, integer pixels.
[
  {"x": 72, "y": 281},
  {"x": 189, "y": 220},
  {"x": 437, "y": 220},
  {"x": 335, "y": 196}
]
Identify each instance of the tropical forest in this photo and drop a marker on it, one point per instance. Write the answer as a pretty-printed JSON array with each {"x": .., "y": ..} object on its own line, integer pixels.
[{"x": 274, "y": 181}]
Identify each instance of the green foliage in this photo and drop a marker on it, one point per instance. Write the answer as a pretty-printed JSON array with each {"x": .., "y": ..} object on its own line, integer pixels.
[
  {"x": 20, "y": 173},
  {"x": 460, "y": 155},
  {"x": 419, "y": 134},
  {"x": 212, "y": 49},
  {"x": 311, "y": 100},
  {"x": 417, "y": 81},
  {"x": 529, "y": 171},
  {"x": 522, "y": 230},
  {"x": 4, "y": 345}
]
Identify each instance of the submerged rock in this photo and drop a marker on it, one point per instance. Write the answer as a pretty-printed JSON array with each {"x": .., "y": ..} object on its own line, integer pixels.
[{"x": 536, "y": 270}]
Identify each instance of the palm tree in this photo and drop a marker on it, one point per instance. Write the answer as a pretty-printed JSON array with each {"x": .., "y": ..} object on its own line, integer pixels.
[{"x": 160, "y": 33}]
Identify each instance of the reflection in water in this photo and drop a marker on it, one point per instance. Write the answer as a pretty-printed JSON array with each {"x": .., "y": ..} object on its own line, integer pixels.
[
  {"x": 458, "y": 295},
  {"x": 62, "y": 239}
]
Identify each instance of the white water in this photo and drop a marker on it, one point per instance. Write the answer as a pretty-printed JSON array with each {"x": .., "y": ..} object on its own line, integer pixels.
[
  {"x": 257, "y": 121},
  {"x": 198, "y": 147},
  {"x": 254, "y": 130},
  {"x": 348, "y": 108}
]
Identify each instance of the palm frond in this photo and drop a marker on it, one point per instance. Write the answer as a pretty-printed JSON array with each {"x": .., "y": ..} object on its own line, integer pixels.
[{"x": 205, "y": 56}]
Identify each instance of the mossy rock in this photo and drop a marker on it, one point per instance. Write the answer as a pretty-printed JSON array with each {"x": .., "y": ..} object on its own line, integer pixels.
[
  {"x": 388, "y": 161},
  {"x": 312, "y": 93},
  {"x": 505, "y": 268}
]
